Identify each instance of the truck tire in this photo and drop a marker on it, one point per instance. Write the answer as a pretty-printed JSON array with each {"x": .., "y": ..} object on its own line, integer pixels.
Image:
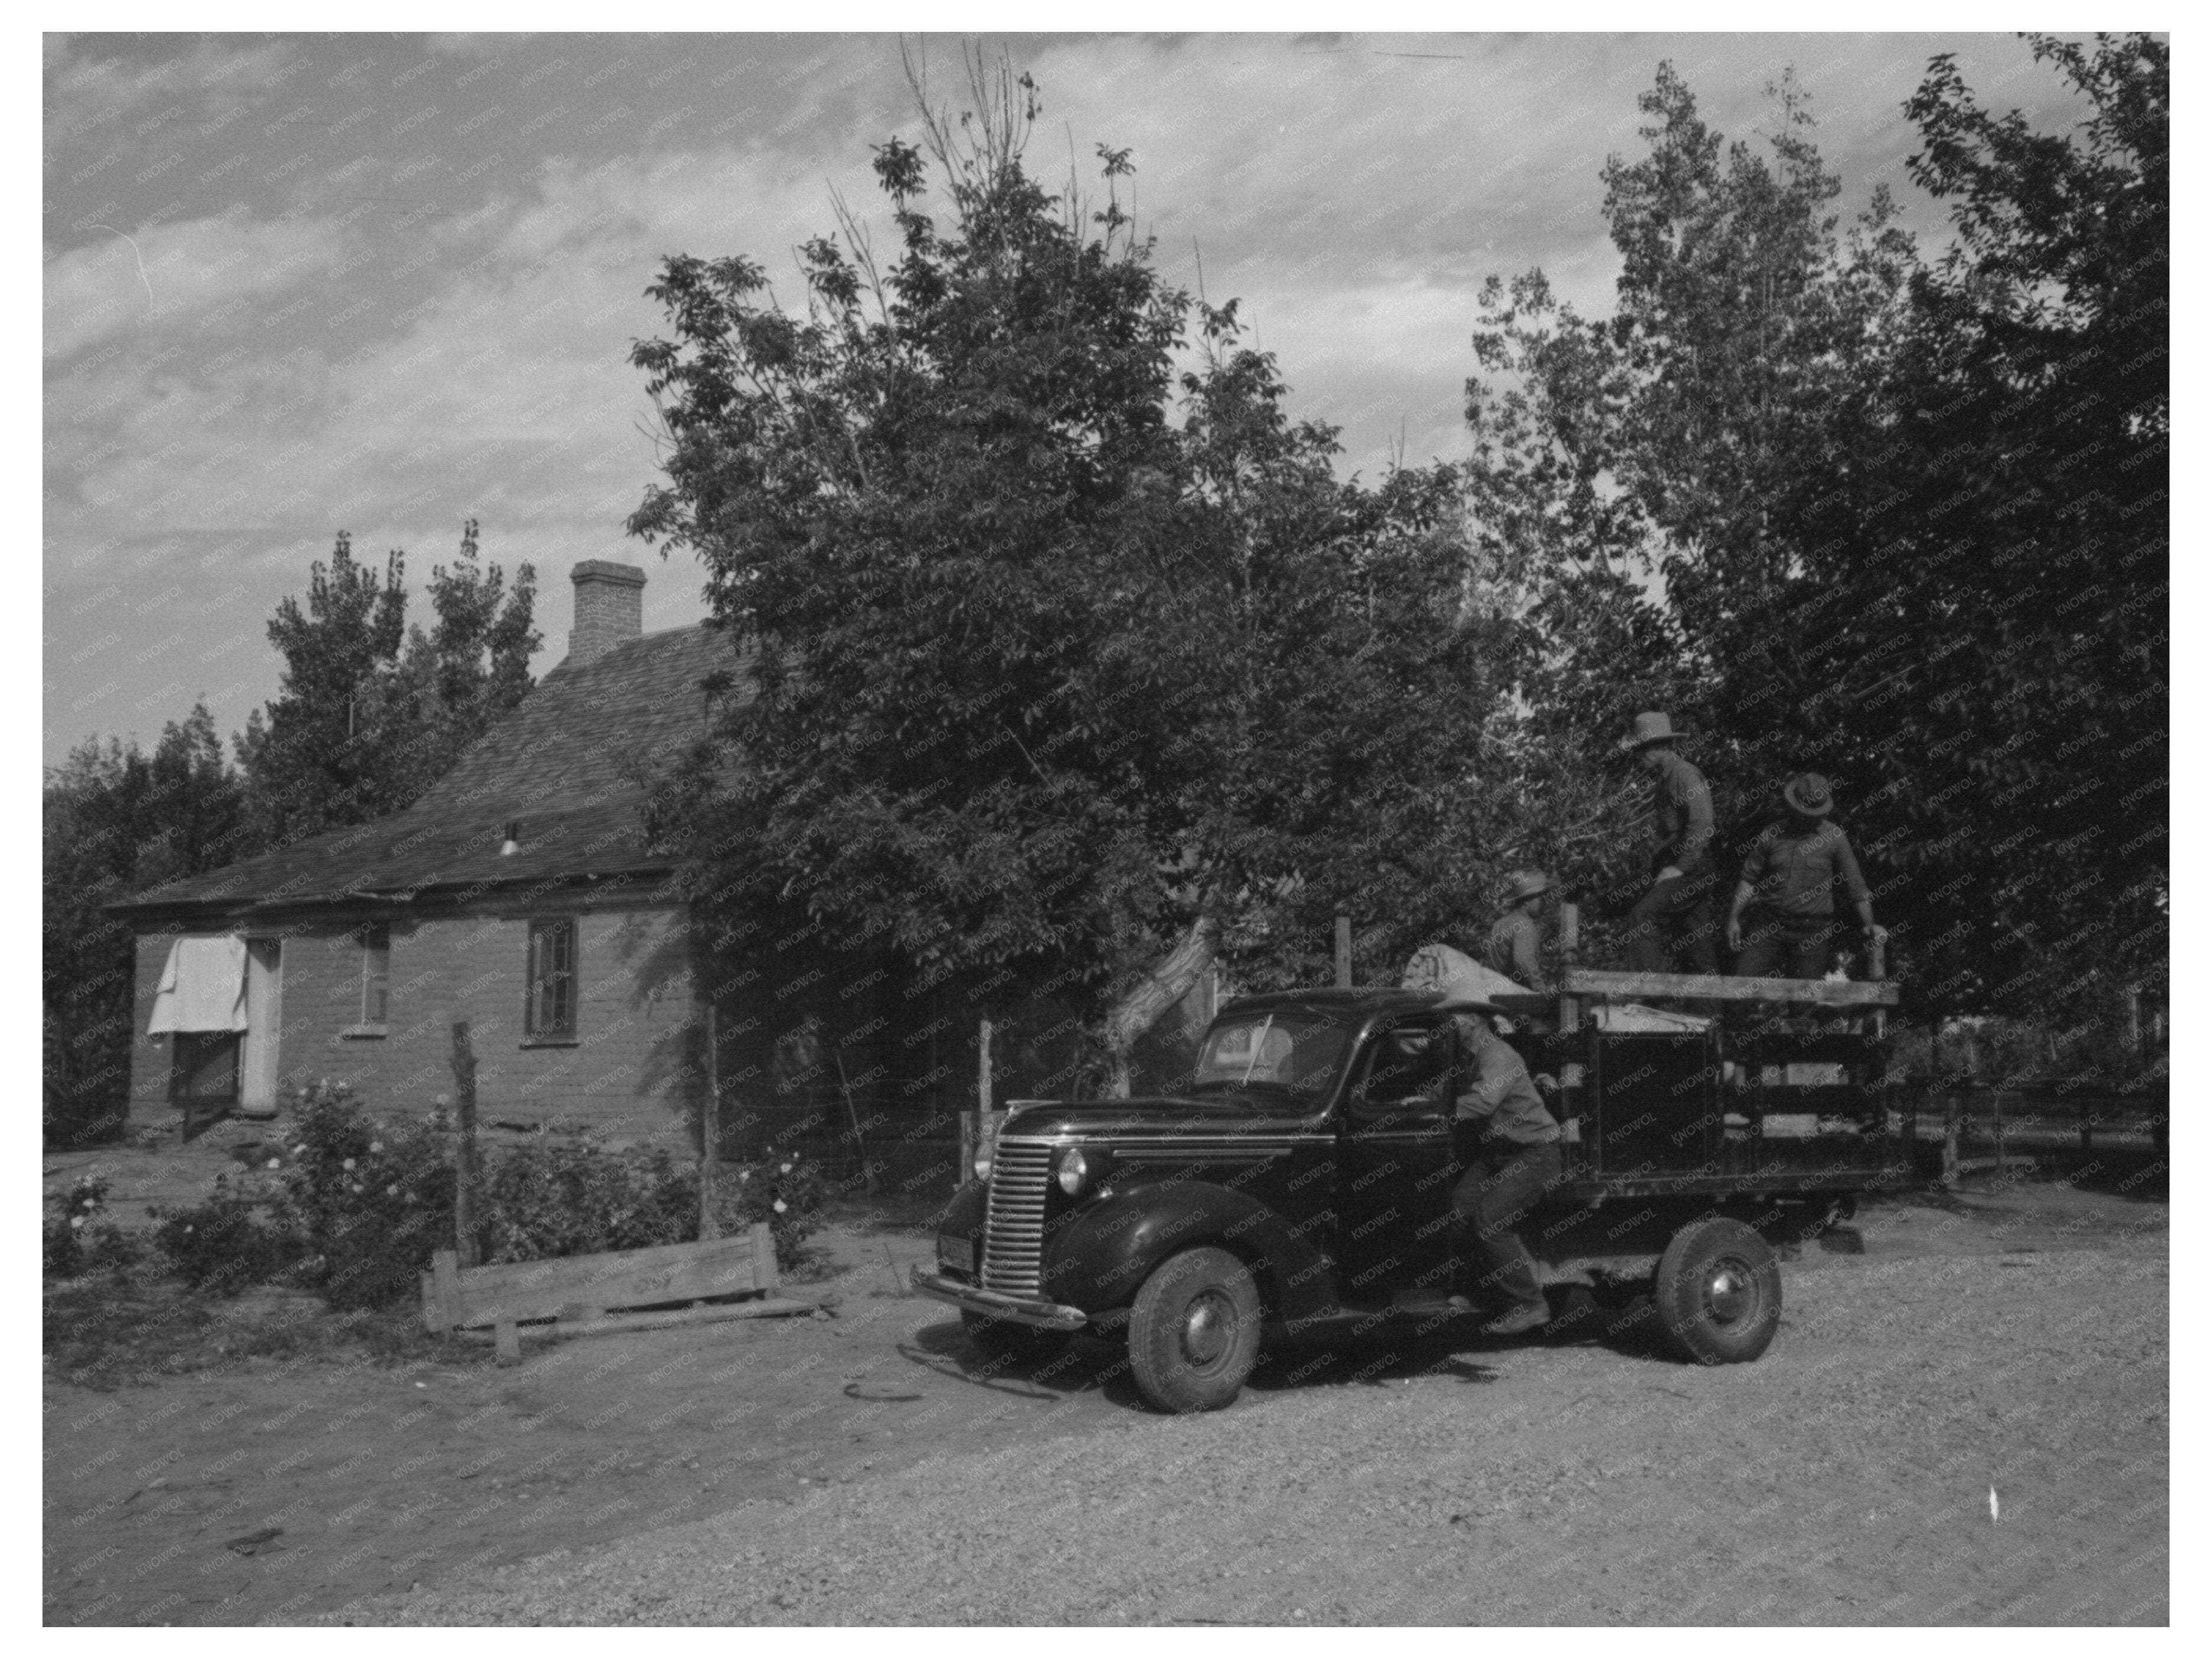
[
  {"x": 1194, "y": 1331},
  {"x": 1003, "y": 1339},
  {"x": 1718, "y": 1293}
]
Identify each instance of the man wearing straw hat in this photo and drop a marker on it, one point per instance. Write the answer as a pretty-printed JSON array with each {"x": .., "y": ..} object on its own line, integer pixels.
[
  {"x": 1788, "y": 880},
  {"x": 1515, "y": 946},
  {"x": 1685, "y": 875}
]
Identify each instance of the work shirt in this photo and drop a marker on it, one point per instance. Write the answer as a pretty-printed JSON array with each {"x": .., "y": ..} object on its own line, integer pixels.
[
  {"x": 1496, "y": 1091},
  {"x": 1795, "y": 875},
  {"x": 1683, "y": 808},
  {"x": 1515, "y": 948}
]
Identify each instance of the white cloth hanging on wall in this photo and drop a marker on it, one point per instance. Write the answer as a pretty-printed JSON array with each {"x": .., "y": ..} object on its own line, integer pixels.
[{"x": 202, "y": 986}]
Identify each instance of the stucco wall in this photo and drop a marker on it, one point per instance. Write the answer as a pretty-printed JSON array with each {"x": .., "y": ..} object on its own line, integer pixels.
[{"x": 633, "y": 1073}]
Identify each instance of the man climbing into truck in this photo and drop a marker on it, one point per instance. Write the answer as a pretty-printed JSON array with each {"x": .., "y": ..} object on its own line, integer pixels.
[{"x": 1513, "y": 1162}]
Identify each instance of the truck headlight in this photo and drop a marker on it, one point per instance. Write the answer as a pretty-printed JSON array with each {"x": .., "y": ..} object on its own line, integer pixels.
[
  {"x": 1074, "y": 1170},
  {"x": 982, "y": 1166}
]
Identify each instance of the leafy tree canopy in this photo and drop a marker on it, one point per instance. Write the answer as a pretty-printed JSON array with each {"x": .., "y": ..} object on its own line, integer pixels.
[
  {"x": 117, "y": 820},
  {"x": 1052, "y": 685},
  {"x": 1907, "y": 518},
  {"x": 370, "y": 711}
]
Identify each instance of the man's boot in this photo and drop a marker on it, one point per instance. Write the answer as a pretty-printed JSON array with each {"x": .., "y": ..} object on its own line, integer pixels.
[{"x": 1524, "y": 1316}]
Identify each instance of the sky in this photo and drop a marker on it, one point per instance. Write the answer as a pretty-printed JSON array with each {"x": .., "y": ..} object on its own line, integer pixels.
[{"x": 382, "y": 284}]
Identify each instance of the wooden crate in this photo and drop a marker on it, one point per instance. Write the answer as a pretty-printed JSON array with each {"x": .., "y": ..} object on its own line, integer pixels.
[{"x": 576, "y": 1289}]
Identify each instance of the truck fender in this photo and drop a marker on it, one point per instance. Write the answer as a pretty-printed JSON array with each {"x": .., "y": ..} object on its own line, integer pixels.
[
  {"x": 1101, "y": 1254},
  {"x": 963, "y": 1216}
]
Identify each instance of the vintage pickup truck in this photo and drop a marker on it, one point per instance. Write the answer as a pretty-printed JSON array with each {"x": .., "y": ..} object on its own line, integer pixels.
[{"x": 1301, "y": 1181}]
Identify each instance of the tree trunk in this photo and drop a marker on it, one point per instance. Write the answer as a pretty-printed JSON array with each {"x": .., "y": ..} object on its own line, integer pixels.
[{"x": 1163, "y": 985}]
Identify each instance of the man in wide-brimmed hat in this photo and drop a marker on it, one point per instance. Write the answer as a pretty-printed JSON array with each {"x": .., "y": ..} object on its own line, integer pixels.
[
  {"x": 1677, "y": 915},
  {"x": 1511, "y": 1162},
  {"x": 1787, "y": 883},
  {"x": 1515, "y": 946}
]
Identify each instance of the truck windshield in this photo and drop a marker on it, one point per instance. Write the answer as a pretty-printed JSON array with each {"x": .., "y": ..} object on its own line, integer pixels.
[{"x": 1291, "y": 1050}]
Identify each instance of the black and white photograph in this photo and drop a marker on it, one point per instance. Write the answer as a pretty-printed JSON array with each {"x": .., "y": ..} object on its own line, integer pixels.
[{"x": 932, "y": 825}]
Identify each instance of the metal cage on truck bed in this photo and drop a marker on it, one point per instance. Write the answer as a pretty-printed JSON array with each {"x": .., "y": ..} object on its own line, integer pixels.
[{"x": 1778, "y": 1090}]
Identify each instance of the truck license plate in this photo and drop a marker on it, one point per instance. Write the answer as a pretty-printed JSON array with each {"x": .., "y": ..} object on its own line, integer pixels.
[{"x": 955, "y": 1253}]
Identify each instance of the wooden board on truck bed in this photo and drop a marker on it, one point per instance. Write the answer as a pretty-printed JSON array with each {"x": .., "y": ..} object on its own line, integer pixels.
[{"x": 1726, "y": 988}]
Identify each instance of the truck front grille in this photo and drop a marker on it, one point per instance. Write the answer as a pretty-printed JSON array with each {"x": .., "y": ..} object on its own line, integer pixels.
[{"x": 1013, "y": 1227}]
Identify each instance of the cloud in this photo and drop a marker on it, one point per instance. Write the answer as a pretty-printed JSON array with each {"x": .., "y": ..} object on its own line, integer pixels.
[{"x": 184, "y": 279}]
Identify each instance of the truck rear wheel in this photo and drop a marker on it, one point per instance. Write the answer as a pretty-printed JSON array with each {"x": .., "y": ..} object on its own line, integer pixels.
[
  {"x": 1194, "y": 1331},
  {"x": 1718, "y": 1293}
]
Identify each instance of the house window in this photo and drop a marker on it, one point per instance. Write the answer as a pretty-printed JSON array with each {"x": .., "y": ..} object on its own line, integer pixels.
[
  {"x": 552, "y": 1008},
  {"x": 375, "y": 973}
]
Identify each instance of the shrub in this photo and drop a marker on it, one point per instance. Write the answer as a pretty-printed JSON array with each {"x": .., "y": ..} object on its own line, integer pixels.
[
  {"x": 70, "y": 1219},
  {"x": 371, "y": 1197},
  {"x": 361, "y": 1202},
  {"x": 786, "y": 1192},
  {"x": 565, "y": 1194},
  {"x": 222, "y": 1244}
]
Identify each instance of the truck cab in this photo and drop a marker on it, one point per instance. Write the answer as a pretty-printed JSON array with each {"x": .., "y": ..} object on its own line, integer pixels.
[{"x": 1302, "y": 1179}]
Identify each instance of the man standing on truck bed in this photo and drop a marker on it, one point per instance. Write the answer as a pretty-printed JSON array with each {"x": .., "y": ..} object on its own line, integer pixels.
[
  {"x": 1516, "y": 1159},
  {"x": 1515, "y": 946},
  {"x": 1685, "y": 873},
  {"x": 1788, "y": 880}
]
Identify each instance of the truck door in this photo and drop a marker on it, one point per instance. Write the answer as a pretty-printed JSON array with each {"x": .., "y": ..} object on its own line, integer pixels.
[{"x": 1395, "y": 1164}]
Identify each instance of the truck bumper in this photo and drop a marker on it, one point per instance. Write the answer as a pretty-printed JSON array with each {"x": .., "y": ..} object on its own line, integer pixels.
[{"x": 1018, "y": 1310}]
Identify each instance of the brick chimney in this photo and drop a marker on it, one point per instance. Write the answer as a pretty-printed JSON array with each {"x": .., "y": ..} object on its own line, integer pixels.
[{"x": 610, "y": 608}]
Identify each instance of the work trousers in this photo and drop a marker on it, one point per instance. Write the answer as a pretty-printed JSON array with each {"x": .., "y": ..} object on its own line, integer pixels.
[
  {"x": 1677, "y": 915},
  {"x": 1791, "y": 947},
  {"x": 1501, "y": 1187}
]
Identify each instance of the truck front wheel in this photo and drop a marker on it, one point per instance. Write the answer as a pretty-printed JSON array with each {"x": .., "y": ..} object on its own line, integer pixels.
[
  {"x": 1194, "y": 1331},
  {"x": 1718, "y": 1291}
]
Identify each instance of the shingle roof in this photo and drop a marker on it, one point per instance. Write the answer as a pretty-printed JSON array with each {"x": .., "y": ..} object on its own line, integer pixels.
[{"x": 566, "y": 764}]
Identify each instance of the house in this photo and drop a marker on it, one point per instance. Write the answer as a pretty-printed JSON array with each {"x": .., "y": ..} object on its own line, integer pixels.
[{"x": 516, "y": 894}]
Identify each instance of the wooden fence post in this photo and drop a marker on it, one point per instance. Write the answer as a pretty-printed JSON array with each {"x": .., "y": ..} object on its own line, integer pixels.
[
  {"x": 986, "y": 1131},
  {"x": 710, "y": 1136},
  {"x": 1950, "y": 1139},
  {"x": 465, "y": 1149},
  {"x": 1343, "y": 949},
  {"x": 853, "y": 1116}
]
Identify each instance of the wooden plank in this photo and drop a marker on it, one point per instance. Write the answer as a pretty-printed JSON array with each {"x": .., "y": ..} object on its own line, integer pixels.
[
  {"x": 1723, "y": 988},
  {"x": 615, "y": 1278},
  {"x": 675, "y": 1318}
]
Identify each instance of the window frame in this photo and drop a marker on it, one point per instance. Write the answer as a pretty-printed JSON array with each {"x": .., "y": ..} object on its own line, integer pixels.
[
  {"x": 561, "y": 981},
  {"x": 1438, "y": 1030}
]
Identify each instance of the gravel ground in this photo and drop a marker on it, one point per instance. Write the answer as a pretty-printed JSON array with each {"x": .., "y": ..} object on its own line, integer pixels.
[{"x": 1847, "y": 1478}]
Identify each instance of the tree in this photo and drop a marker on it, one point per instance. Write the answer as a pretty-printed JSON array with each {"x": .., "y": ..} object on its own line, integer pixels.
[
  {"x": 115, "y": 822},
  {"x": 1907, "y": 515},
  {"x": 1562, "y": 550},
  {"x": 1050, "y": 688},
  {"x": 2024, "y": 538},
  {"x": 371, "y": 712}
]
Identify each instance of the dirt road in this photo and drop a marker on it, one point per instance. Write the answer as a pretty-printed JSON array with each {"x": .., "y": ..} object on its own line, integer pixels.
[{"x": 869, "y": 1467}]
